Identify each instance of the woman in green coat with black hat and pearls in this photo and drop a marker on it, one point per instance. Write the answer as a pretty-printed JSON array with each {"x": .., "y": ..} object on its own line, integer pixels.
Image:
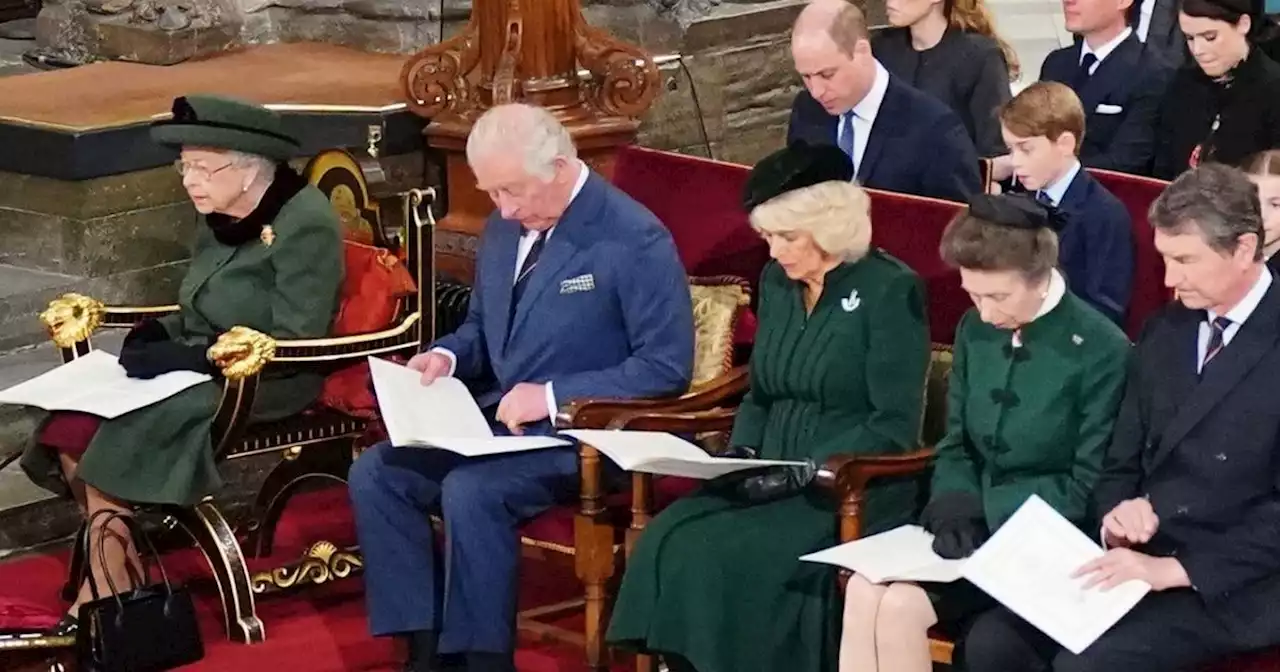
[
  {"x": 268, "y": 258},
  {"x": 715, "y": 583},
  {"x": 1034, "y": 389}
]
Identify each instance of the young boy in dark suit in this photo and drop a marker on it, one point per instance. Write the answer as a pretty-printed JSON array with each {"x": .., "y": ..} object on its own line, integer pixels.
[{"x": 1043, "y": 126}]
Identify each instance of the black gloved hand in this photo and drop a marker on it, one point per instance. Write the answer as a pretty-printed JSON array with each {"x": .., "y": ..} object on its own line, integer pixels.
[
  {"x": 740, "y": 452},
  {"x": 148, "y": 360},
  {"x": 146, "y": 331},
  {"x": 776, "y": 482},
  {"x": 958, "y": 524}
]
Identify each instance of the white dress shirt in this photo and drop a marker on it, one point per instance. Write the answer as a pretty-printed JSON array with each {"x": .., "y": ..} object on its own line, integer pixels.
[
  {"x": 1144, "y": 20},
  {"x": 1238, "y": 314},
  {"x": 1052, "y": 297},
  {"x": 864, "y": 115},
  {"x": 522, "y": 250},
  {"x": 1103, "y": 51}
]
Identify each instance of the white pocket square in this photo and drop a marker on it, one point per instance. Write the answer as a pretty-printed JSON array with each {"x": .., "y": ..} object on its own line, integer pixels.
[
  {"x": 581, "y": 283},
  {"x": 1109, "y": 109}
]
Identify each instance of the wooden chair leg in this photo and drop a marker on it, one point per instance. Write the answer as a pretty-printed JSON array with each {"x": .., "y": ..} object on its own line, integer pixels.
[
  {"x": 329, "y": 461},
  {"x": 215, "y": 539}
]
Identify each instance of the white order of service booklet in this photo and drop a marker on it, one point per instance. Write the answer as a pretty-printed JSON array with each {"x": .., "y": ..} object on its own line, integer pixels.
[{"x": 96, "y": 384}]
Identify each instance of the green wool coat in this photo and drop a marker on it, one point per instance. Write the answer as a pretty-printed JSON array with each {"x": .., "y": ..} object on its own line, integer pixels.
[
  {"x": 718, "y": 581},
  {"x": 163, "y": 453},
  {"x": 1036, "y": 422}
]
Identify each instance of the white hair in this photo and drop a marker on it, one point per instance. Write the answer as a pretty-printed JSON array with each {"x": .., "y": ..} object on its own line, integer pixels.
[
  {"x": 264, "y": 165},
  {"x": 517, "y": 127},
  {"x": 836, "y": 214}
]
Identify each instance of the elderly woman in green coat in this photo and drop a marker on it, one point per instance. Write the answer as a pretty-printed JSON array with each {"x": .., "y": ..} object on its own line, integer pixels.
[
  {"x": 269, "y": 257},
  {"x": 1035, "y": 385},
  {"x": 714, "y": 583}
]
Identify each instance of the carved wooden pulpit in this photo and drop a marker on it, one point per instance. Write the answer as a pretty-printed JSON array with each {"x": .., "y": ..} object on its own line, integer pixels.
[{"x": 523, "y": 51}]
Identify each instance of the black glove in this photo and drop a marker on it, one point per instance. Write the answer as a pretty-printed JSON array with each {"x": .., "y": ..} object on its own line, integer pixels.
[
  {"x": 148, "y": 360},
  {"x": 740, "y": 452},
  {"x": 958, "y": 524},
  {"x": 146, "y": 331},
  {"x": 776, "y": 482}
]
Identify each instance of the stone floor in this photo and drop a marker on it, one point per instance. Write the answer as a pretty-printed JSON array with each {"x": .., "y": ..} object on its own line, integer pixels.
[{"x": 11, "y": 55}]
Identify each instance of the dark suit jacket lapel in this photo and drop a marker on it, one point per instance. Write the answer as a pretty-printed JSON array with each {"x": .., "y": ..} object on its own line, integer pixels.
[
  {"x": 1116, "y": 69},
  {"x": 1255, "y": 339},
  {"x": 1073, "y": 199},
  {"x": 501, "y": 279},
  {"x": 891, "y": 116},
  {"x": 561, "y": 247}
]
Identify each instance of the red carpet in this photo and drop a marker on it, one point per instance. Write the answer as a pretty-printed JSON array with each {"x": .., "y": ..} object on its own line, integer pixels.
[{"x": 319, "y": 628}]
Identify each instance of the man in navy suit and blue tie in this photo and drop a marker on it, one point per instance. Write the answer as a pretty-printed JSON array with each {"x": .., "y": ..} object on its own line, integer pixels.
[
  {"x": 579, "y": 292},
  {"x": 1120, "y": 84},
  {"x": 900, "y": 139}
]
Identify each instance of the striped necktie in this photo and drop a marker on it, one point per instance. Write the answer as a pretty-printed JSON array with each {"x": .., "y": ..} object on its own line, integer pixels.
[
  {"x": 1217, "y": 330},
  {"x": 845, "y": 141},
  {"x": 526, "y": 269}
]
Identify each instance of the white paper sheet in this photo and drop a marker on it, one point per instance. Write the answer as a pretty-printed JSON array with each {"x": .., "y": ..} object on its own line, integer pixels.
[
  {"x": 440, "y": 415},
  {"x": 96, "y": 384},
  {"x": 1027, "y": 566},
  {"x": 901, "y": 554},
  {"x": 665, "y": 454}
]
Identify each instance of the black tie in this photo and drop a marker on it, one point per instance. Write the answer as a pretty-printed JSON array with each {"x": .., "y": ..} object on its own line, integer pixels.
[
  {"x": 1082, "y": 76},
  {"x": 526, "y": 269},
  {"x": 1043, "y": 199}
]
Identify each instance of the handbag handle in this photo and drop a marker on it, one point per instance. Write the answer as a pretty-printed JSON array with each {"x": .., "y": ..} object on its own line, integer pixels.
[
  {"x": 135, "y": 531},
  {"x": 88, "y": 550}
]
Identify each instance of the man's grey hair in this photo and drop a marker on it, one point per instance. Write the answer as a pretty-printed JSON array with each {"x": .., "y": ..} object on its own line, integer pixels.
[
  {"x": 1218, "y": 201},
  {"x": 530, "y": 130}
]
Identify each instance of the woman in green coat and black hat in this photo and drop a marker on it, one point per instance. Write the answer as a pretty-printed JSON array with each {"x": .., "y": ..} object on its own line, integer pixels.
[
  {"x": 269, "y": 258},
  {"x": 1034, "y": 389},
  {"x": 715, "y": 583}
]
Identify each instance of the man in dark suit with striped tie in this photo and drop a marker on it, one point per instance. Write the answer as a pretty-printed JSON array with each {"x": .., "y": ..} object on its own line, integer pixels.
[
  {"x": 579, "y": 293},
  {"x": 1190, "y": 491}
]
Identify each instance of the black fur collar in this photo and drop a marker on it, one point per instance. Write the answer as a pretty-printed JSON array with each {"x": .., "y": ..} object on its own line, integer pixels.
[{"x": 233, "y": 232}]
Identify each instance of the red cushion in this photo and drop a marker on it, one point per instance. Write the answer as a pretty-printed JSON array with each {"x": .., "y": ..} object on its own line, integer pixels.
[
  {"x": 555, "y": 526},
  {"x": 910, "y": 228},
  {"x": 19, "y": 615},
  {"x": 1149, "y": 293}
]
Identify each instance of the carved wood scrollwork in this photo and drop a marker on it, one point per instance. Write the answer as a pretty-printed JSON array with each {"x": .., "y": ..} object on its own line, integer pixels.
[
  {"x": 624, "y": 79},
  {"x": 504, "y": 76},
  {"x": 435, "y": 79}
]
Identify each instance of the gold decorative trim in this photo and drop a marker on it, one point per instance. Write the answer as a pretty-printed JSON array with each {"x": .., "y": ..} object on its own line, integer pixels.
[
  {"x": 242, "y": 352},
  {"x": 35, "y": 641},
  {"x": 321, "y": 563},
  {"x": 72, "y": 318},
  {"x": 404, "y": 326}
]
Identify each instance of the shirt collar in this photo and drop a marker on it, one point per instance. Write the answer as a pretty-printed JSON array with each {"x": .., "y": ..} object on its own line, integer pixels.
[
  {"x": 1105, "y": 50},
  {"x": 1053, "y": 296},
  {"x": 1242, "y": 310},
  {"x": 867, "y": 108},
  {"x": 1058, "y": 189}
]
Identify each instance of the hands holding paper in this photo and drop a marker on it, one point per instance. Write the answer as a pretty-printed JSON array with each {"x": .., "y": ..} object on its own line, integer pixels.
[
  {"x": 957, "y": 523},
  {"x": 1132, "y": 522},
  {"x": 431, "y": 365},
  {"x": 525, "y": 403}
]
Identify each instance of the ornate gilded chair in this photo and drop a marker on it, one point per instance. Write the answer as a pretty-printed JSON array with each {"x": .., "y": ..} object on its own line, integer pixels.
[
  {"x": 594, "y": 534},
  {"x": 316, "y": 444}
]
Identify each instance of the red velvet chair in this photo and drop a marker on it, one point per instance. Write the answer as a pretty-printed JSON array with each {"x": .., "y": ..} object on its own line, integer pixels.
[{"x": 1149, "y": 293}]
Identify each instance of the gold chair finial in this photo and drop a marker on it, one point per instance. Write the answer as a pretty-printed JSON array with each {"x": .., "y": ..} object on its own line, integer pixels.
[
  {"x": 72, "y": 318},
  {"x": 241, "y": 352}
]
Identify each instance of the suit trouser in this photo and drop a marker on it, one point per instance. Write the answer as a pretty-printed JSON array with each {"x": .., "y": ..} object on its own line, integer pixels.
[
  {"x": 483, "y": 500},
  {"x": 1166, "y": 631}
]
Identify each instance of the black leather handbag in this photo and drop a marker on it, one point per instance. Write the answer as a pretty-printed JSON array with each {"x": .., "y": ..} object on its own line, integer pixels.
[{"x": 150, "y": 628}]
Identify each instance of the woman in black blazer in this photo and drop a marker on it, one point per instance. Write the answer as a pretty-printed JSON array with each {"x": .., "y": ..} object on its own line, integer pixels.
[{"x": 1224, "y": 104}]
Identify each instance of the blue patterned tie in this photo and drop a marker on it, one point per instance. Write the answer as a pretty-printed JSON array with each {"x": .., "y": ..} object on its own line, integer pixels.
[
  {"x": 1043, "y": 199},
  {"x": 845, "y": 139},
  {"x": 526, "y": 269},
  {"x": 1217, "y": 332}
]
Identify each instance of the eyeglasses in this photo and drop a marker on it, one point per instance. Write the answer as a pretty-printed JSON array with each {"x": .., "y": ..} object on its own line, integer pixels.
[{"x": 198, "y": 172}]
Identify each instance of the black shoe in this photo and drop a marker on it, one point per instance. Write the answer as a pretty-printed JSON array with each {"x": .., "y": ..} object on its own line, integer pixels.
[
  {"x": 67, "y": 627},
  {"x": 491, "y": 662}
]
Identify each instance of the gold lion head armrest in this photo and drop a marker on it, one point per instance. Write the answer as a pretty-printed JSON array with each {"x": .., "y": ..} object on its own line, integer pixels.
[
  {"x": 71, "y": 319},
  {"x": 242, "y": 352}
]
